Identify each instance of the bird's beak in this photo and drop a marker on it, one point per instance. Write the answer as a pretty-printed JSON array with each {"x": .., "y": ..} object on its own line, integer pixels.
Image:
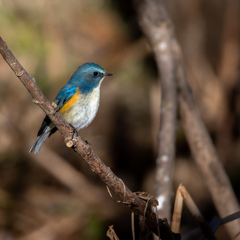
[{"x": 107, "y": 74}]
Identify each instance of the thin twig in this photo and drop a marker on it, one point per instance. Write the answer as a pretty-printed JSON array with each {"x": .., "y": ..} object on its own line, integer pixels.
[
  {"x": 111, "y": 233},
  {"x": 183, "y": 196},
  {"x": 177, "y": 212},
  {"x": 196, "y": 212}
]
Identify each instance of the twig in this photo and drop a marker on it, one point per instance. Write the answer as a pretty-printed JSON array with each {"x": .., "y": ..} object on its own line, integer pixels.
[
  {"x": 133, "y": 226},
  {"x": 136, "y": 204},
  {"x": 177, "y": 212},
  {"x": 111, "y": 233},
  {"x": 182, "y": 195},
  {"x": 196, "y": 212}
]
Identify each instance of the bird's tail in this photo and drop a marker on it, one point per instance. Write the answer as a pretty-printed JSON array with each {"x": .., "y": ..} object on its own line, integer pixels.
[{"x": 39, "y": 142}]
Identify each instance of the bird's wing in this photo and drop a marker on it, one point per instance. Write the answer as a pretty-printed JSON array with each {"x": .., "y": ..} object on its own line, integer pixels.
[{"x": 63, "y": 96}]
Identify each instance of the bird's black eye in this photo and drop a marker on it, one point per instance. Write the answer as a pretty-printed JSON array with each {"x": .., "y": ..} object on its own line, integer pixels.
[{"x": 95, "y": 74}]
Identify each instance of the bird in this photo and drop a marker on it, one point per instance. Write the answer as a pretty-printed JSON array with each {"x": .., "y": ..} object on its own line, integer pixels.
[{"x": 77, "y": 101}]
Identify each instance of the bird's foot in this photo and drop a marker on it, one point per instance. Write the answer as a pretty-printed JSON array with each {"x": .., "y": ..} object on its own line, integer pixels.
[
  {"x": 72, "y": 141},
  {"x": 89, "y": 147},
  {"x": 74, "y": 132}
]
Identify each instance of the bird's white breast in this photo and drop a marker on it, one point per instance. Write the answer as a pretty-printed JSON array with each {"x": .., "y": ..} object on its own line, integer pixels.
[{"x": 82, "y": 113}]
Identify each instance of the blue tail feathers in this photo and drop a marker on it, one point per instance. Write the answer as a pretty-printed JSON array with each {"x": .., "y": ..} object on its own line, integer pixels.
[{"x": 39, "y": 142}]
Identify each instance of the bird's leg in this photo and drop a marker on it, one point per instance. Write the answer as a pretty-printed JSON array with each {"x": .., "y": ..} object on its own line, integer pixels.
[
  {"x": 74, "y": 132},
  {"x": 89, "y": 147},
  {"x": 71, "y": 141}
]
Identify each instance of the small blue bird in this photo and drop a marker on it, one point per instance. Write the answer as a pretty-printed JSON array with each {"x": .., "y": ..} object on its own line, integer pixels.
[{"x": 78, "y": 101}]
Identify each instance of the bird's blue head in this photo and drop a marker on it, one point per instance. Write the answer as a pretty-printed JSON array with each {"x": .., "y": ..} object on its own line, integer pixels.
[{"x": 88, "y": 76}]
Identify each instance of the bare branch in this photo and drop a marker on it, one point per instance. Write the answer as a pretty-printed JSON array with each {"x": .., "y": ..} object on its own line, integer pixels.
[{"x": 137, "y": 205}]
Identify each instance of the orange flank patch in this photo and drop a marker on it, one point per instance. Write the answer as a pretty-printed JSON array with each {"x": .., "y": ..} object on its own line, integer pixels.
[{"x": 70, "y": 102}]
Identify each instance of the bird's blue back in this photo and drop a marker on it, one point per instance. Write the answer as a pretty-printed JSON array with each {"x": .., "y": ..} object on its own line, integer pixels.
[{"x": 81, "y": 79}]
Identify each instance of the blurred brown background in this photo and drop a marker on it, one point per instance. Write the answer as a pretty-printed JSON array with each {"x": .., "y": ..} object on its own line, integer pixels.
[{"x": 54, "y": 195}]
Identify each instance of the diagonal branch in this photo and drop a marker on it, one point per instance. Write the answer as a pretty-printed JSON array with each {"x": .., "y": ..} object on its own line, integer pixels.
[{"x": 137, "y": 205}]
